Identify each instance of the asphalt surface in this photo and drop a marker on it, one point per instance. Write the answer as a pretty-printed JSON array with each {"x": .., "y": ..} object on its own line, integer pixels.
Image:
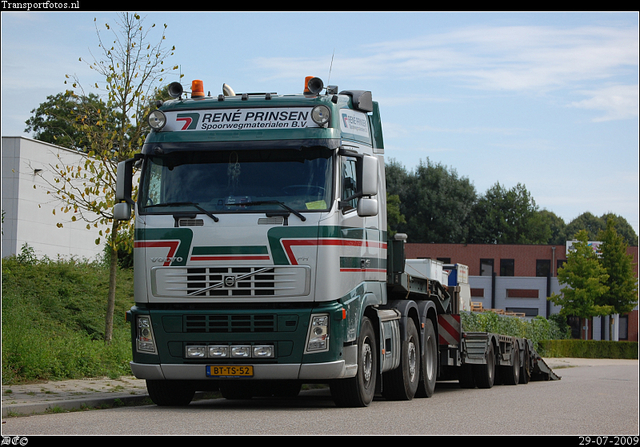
[{"x": 67, "y": 395}]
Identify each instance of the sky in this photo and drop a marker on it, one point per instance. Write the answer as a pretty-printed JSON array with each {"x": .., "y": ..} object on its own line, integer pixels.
[{"x": 545, "y": 99}]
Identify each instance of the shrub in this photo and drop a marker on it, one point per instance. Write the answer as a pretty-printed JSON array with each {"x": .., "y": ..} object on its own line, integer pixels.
[
  {"x": 53, "y": 320},
  {"x": 590, "y": 349},
  {"x": 536, "y": 329}
]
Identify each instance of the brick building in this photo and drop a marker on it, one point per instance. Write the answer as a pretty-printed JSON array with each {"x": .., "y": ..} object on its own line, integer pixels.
[{"x": 519, "y": 278}]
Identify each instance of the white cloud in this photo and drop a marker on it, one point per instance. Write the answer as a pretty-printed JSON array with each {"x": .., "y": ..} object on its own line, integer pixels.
[
  {"x": 494, "y": 58},
  {"x": 617, "y": 102}
]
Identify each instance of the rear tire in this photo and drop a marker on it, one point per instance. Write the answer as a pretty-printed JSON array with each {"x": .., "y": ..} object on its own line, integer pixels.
[
  {"x": 402, "y": 382},
  {"x": 485, "y": 375},
  {"x": 429, "y": 361},
  {"x": 525, "y": 368},
  {"x": 358, "y": 391},
  {"x": 511, "y": 374},
  {"x": 172, "y": 393},
  {"x": 465, "y": 377}
]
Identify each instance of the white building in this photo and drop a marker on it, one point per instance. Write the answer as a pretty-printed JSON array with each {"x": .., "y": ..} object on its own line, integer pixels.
[{"x": 28, "y": 211}]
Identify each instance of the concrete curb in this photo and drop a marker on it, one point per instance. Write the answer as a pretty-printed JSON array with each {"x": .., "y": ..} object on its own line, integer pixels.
[{"x": 88, "y": 402}]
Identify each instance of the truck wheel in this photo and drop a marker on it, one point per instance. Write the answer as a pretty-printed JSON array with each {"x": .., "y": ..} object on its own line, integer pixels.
[
  {"x": 511, "y": 374},
  {"x": 525, "y": 367},
  {"x": 172, "y": 393},
  {"x": 402, "y": 382},
  {"x": 429, "y": 362},
  {"x": 485, "y": 374},
  {"x": 232, "y": 389},
  {"x": 359, "y": 390},
  {"x": 285, "y": 388}
]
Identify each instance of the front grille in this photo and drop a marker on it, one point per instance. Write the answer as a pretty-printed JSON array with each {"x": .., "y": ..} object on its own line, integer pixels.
[
  {"x": 230, "y": 323},
  {"x": 230, "y": 281}
]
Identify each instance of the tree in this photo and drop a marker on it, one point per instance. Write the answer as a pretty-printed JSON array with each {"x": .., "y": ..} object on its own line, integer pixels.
[
  {"x": 594, "y": 225},
  {"x": 622, "y": 227},
  {"x": 54, "y": 121},
  {"x": 507, "y": 216},
  {"x": 435, "y": 200},
  {"x": 622, "y": 293},
  {"x": 585, "y": 279},
  {"x": 394, "y": 216},
  {"x": 131, "y": 68},
  {"x": 556, "y": 226}
]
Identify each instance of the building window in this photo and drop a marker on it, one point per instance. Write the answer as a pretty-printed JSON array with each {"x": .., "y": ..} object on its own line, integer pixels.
[
  {"x": 560, "y": 263},
  {"x": 486, "y": 267},
  {"x": 623, "y": 332},
  {"x": 522, "y": 293},
  {"x": 543, "y": 267},
  {"x": 523, "y": 310},
  {"x": 477, "y": 293},
  {"x": 445, "y": 260},
  {"x": 507, "y": 267}
]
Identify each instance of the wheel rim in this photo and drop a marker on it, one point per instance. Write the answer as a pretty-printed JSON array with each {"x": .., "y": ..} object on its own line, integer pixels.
[
  {"x": 413, "y": 360},
  {"x": 367, "y": 362}
]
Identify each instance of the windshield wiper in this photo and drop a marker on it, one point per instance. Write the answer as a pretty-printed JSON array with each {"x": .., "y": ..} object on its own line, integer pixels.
[
  {"x": 270, "y": 202},
  {"x": 195, "y": 205}
]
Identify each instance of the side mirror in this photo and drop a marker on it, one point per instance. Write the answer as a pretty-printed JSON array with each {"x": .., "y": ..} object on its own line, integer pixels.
[
  {"x": 369, "y": 176},
  {"x": 367, "y": 207},
  {"x": 124, "y": 178},
  {"x": 122, "y": 211}
]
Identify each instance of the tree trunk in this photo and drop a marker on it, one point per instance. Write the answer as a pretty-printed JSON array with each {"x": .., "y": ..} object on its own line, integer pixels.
[{"x": 113, "y": 269}]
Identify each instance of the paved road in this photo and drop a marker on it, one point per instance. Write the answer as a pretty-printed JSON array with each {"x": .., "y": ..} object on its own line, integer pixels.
[{"x": 592, "y": 399}]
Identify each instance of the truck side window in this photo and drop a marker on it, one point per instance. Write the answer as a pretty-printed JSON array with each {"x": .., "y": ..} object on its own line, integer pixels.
[{"x": 349, "y": 182}]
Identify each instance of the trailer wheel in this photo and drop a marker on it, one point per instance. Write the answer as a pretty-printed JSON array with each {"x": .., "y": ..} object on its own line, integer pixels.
[
  {"x": 525, "y": 367},
  {"x": 171, "y": 393},
  {"x": 485, "y": 374},
  {"x": 359, "y": 390},
  {"x": 402, "y": 382},
  {"x": 429, "y": 362},
  {"x": 511, "y": 374},
  {"x": 465, "y": 376}
]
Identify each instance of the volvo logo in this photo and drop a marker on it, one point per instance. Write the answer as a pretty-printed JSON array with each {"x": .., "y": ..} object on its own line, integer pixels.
[{"x": 229, "y": 281}]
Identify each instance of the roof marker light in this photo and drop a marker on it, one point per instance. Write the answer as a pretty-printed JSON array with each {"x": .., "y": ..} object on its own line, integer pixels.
[{"x": 197, "y": 89}]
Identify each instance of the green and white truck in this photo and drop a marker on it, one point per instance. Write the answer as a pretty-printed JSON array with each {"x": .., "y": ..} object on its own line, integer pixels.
[{"x": 262, "y": 259}]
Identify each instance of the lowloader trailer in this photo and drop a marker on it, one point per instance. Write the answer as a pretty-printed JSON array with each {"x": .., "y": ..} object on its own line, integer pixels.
[{"x": 262, "y": 259}]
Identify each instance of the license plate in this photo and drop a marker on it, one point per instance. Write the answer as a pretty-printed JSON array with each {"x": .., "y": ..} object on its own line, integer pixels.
[{"x": 229, "y": 371}]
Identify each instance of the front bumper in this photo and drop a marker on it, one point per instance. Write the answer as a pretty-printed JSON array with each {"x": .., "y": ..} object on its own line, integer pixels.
[{"x": 339, "y": 369}]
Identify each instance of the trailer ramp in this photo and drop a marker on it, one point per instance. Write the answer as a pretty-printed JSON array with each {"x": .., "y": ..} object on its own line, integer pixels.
[{"x": 540, "y": 370}]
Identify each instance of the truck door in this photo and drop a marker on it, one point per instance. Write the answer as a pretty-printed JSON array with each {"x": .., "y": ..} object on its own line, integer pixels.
[{"x": 365, "y": 256}]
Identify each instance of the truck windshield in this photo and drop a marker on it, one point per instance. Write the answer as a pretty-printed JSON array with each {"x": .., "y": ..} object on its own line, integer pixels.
[{"x": 237, "y": 181}]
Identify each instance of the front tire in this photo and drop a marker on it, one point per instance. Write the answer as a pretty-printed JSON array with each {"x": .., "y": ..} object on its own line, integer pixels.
[
  {"x": 358, "y": 391},
  {"x": 171, "y": 393}
]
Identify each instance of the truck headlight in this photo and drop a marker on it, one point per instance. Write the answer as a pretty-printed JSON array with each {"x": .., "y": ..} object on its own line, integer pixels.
[
  {"x": 318, "y": 336},
  {"x": 145, "y": 342}
]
